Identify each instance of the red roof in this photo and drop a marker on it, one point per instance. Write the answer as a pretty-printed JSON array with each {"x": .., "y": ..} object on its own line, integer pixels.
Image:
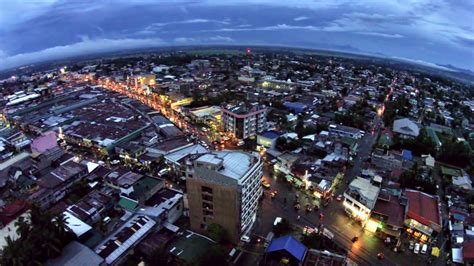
[
  {"x": 423, "y": 207},
  {"x": 391, "y": 207},
  {"x": 11, "y": 211},
  {"x": 468, "y": 250}
]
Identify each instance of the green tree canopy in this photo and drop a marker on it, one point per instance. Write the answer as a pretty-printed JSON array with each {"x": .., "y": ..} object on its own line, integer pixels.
[{"x": 217, "y": 233}]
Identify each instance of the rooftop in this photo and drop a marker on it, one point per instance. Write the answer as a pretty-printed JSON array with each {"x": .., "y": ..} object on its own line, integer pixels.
[
  {"x": 365, "y": 188},
  {"x": 270, "y": 134},
  {"x": 76, "y": 254},
  {"x": 423, "y": 207},
  {"x": 289, "y": 244},
  {"x": 124, "y": 238},
  {"x": 234, "y": 163},
  {"x": 391, "y": 207}
]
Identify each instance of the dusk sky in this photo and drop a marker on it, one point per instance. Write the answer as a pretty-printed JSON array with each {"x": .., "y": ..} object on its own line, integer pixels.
[{"x": 435, "y": 31}]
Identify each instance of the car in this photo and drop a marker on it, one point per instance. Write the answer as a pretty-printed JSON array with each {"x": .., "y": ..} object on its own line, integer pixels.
[
  {"x": 240, "y": 143},
  {"x": 339, "y": 198},
  {"x": 412, "y": 245},
  {"x": 424, "y": 249},
  {"x": 265, "y": 183},
  {"x": 416, "y": 250},
  {"x": 245, "y": 239}
]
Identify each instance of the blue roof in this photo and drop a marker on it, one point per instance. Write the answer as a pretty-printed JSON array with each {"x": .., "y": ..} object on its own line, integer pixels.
[
  {"x": 459, "y": 217},
  {"x": 290, "y": 244},
  {"x": 294, "y": 104},
  {"x": 407, "y": 155},
  {"x": 270, "y": 134}
]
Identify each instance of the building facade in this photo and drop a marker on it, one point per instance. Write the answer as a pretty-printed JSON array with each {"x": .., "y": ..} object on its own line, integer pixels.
[
  {"x": 244, "y": 122},
  {"x": 224, "y": 188},
  {"x": 360, "y": 198}
]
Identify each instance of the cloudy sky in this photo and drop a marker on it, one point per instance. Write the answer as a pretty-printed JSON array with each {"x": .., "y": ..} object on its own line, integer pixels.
[{"x": 435, "y": 31}]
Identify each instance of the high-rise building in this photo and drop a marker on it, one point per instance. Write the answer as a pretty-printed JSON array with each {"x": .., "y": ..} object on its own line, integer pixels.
[
  {"x": 223, "y": 187},
  {"x": 244, "y": 121}
]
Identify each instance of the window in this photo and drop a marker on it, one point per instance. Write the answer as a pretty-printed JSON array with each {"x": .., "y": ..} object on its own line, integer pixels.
[
  {"x": 207, "y": 213},
  {"x": 207, "y": 206},
  {"x": 207, "y": 198},
  {"x": 206, "y": 189}
]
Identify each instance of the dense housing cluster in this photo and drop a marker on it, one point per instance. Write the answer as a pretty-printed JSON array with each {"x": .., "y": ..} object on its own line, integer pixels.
[{"x": 172, "y": 154}]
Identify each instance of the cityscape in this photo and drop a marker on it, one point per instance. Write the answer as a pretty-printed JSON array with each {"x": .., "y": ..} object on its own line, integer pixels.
[{"x": 235, "y": 154}]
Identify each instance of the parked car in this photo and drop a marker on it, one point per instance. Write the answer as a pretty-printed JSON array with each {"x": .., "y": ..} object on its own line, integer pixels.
[
  {"x": 245, "y": 239},
  {"x": 416, "y": 250},
  {"x": 240, "y": 143},
  {"x": 424, "y": 249},
  {"x": 412, "y": 245},
  {"x": 339, "y": 198}
]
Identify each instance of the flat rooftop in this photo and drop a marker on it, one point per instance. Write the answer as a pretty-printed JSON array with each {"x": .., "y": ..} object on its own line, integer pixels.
[
  {"x": 365, "y": 188},
  {"x": 234, "y": 163}
]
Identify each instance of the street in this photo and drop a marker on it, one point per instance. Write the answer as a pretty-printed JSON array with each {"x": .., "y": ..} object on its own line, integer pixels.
[{"x": 363, "y": 252}]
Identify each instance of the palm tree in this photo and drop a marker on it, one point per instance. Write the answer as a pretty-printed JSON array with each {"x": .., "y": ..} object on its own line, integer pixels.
[
  {"x": 22, "y": 227},
  {"x": 12, "y": 253},
  {"x": 60, "y": 221}
]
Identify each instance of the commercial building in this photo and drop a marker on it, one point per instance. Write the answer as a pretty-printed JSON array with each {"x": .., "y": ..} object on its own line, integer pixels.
[
  {"x": 423, "y": 218},
  {"x": 243, "y": 121},
  {"x": 360, "y": 198},
  {"x": 140, "y": 80},
  {"x": 268, "y": 139},
  {"x": 205, "y": 114},
  {"x": 406, "y": 128},
  {"x": 224, "y": 188}
]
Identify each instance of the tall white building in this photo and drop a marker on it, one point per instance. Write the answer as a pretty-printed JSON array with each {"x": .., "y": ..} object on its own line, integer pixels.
[{"x": 223, "y": 187}]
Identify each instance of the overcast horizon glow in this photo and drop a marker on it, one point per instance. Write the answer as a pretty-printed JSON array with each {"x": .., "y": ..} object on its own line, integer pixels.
[{"x": 434, "y": 31}]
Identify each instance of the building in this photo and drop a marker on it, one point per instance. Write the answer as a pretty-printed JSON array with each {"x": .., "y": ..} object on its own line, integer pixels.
[
  {"x": 76, "y": 254},
  {"x": 387, "y": 161},
  {"x": 295, "y": 107},
  {"x": 268, "y": 139},
  {"x": 243, "y": 121},
  {"x": 205, "y": 114},
  {"x": 224, "y": 188},
  {"x": 91, "y": 207},
  {"x": 115, "y": 247},
  {"x": 140, "y": 80},
  {"x": 423, "y": 218},
  {"x": 388, "y": 215},
  {"x": 285, "y": 247},
  {"x": 55, "y": 185},
  {"x": 345, "y": 131},
  {"x": 360, "y": 198},
  {"x": 406, "y": 128}
]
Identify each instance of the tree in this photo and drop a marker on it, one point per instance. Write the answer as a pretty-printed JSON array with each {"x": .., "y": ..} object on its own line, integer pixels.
[
  {"x": 159, "y": 256},
  {"x": 214, "y": 256},
  {"x": 455, "y": 153},
  {"x": 282, "y": 228},
  {"x": 41, "y": 237},
  {"x": 217, "y": 233}
]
